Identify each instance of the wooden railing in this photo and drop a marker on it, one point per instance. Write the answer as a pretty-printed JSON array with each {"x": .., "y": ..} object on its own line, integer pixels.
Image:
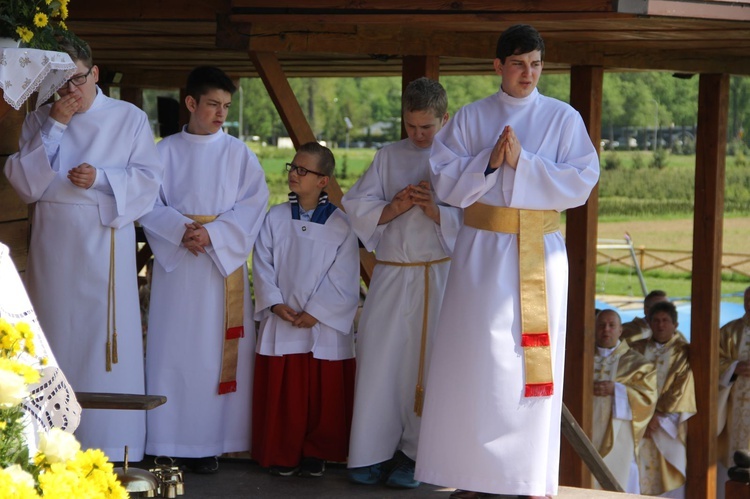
[{"x": 667, "y": 259}]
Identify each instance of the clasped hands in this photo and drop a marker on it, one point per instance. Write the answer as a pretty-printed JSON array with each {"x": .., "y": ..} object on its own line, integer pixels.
[
  {"x": 195, "y": 238},
  {"x": 414, "y": 195},
  {"x": 507, "y": 149},
  {"x": 298, "y": 319},
  {"x": 604, "y": 388}
]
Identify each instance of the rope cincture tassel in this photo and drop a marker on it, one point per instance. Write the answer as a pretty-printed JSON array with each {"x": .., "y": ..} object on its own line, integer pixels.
[
  {"x": 110, "y": 355},
  {"x": 419, "y": 389}
]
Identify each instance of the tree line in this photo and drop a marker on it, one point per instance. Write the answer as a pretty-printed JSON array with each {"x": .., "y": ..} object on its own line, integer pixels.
[{"x": 637, "y": 100}]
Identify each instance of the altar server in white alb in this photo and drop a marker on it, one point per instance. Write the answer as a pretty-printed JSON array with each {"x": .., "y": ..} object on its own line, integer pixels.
[
  {"x": 201, "y": 335},
  {"x": 306, "y": 276},
  {"x": 394, "y": 212},
  {"x": 513, "y": 161},
  {"x": 90, "y": 164}
]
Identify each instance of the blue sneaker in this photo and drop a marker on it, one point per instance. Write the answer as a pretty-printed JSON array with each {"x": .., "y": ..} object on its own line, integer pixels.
[
  {"x": 402, "y": 476},
  {"x": 367, "y": 475}
]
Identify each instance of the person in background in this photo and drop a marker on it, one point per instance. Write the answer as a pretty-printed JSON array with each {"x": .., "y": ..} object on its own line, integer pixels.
[
  {"x": 734, "y": 380},
  {"x": 662, "y": 452},
  {"x": 624, "y": 400},
  {"x": 638, "y": 328}
]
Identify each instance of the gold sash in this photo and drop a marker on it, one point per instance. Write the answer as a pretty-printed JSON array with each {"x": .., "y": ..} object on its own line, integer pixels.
[
  {"x": 530, "y": 225},
  {"x": 110, "y": 356},
  {"x": 234, "y": 299},
  {"x": 419, "y": 391}
]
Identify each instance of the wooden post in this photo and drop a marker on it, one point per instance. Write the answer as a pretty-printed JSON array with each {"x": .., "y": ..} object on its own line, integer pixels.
[
  {"x": 413, "y": 67},
  {"x": 713, "y": 109},
  {"x": 134, "y": 95},
  {"x": 581, "y": 234},
  {"x": 14, "y": 223}
]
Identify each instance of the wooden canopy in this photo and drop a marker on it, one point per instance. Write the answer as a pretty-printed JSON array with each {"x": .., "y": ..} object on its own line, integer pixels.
[
  {"x": 155, "y": 43},
  {"x": 146, "y": 43}
]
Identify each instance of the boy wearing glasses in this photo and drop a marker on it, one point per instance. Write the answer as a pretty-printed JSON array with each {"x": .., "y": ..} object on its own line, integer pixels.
[
  {"x": 306, "y": 278},
  {"x": 89, "y": 164},
  {"x": 395, "y": 213},
  {"x": 201, "y": 335}
]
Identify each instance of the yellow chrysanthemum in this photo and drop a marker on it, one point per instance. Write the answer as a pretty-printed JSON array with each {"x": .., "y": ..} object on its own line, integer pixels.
[
  {"x": 29, "y": 374},
  {"x": 64, "y": 11},
  {"x": 10, "y": 486},
  {"x": 41, "y": 20},
  {"x": 63, "y": 26}
]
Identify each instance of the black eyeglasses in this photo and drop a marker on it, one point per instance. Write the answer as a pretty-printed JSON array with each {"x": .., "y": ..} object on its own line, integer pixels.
[
  {"x": 79, "y": 79},
  {"x": 301, "y": 171}
]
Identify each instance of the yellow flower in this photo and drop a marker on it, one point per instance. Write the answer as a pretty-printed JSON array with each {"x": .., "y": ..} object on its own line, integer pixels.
[
  {"x": 12, "y": 389},
  {"x": 63, "y": 26},
  {"x": 44, "y": 361},
  {"x": 3, "y": 424},
  {"x": 64, "y": 10},
  {"x": 14, "y": 483},
  {"x": 58, "y": 445},
  {"x": 41, "y": 20}
]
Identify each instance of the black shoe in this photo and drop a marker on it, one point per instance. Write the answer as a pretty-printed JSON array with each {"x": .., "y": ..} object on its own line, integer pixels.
[
  {"x": 312, "y": 467},
  {"x": 283, "y": 470},
  {"x": 202, "y": 465}
]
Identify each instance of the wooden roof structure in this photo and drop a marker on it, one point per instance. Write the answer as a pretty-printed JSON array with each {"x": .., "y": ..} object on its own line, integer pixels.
[{"x": 155, "y": 43}]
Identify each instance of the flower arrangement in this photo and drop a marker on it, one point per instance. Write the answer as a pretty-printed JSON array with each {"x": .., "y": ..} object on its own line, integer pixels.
[
  {"x": 37, "y": 24},
  {"x": 59, "y": 469}
]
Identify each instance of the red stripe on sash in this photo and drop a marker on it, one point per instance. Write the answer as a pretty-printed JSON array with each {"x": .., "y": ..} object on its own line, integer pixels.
[
  {"x": 227, "y": 387},
  {"x": 235, "y": 332},
  {"x": 539, "y": 390},
  {"x": 535, "y": 339}
]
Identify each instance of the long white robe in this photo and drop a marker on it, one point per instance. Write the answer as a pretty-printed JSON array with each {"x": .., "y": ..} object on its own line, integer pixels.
[
  {"x": 312, "y": 267},
  {"x": 390, "y": 328},
  {"x": 479, "y": 432},
  {"x": 69, "y": 255},
  {"x": 205, "y": 175}
]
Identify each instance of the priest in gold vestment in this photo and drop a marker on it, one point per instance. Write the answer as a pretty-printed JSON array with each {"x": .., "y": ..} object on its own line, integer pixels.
[
  {"x": 638, "y": 328},
  {"x": 624, "y": 400},
  {"x": 662, "y": 451},
  {"x": 734, "y": 392}
]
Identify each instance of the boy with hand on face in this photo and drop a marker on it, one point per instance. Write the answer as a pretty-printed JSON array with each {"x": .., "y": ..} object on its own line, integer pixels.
[
  {"x": 395, "y": 213},
  {"x": 306, "y": 275},
  {"x": 201, "y": 335}
]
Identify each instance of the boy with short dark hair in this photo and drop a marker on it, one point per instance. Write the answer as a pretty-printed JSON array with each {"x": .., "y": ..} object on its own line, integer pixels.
[
  {"x": 201, "y": 334},
  {"x": 395, "y": 213},
  {"x": 306, "y": 277}
]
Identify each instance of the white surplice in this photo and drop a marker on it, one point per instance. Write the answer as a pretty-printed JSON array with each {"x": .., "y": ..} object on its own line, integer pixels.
[
  {"x": 390, "y": 328},
  {"x": 69, "y": 254},
  {"x": 479, "y": 432},
  {"x": 215, "y": 175},
  {"x": 312, "y": 267}
]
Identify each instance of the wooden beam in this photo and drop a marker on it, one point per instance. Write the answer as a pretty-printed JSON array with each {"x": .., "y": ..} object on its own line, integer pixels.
[
  {"x": 399, "y": 6},
  {"x": 134, "y": 95},
  {"x": 581, "y": 233},
  {"x": 414, "y": 67},
  {"x": 713, "y": 109}
]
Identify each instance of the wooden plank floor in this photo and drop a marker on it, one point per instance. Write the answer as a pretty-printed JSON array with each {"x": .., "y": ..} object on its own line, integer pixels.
[{"x": 238, "y": 479}]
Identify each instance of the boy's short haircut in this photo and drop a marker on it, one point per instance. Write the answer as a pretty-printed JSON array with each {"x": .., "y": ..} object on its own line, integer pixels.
[
  {"x": 517, "y": 40},
  {"x": 203, "y": 79},
  {"x": 78, "y": 52},
  {"x": 424, "y": 94},
  {"x": 326, "y": 161}
]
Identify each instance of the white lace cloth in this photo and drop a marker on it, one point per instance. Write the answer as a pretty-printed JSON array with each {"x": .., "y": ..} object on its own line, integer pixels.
[
  {"x": 24, "y": 71},
  {"x": 52, "y": 403}
]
